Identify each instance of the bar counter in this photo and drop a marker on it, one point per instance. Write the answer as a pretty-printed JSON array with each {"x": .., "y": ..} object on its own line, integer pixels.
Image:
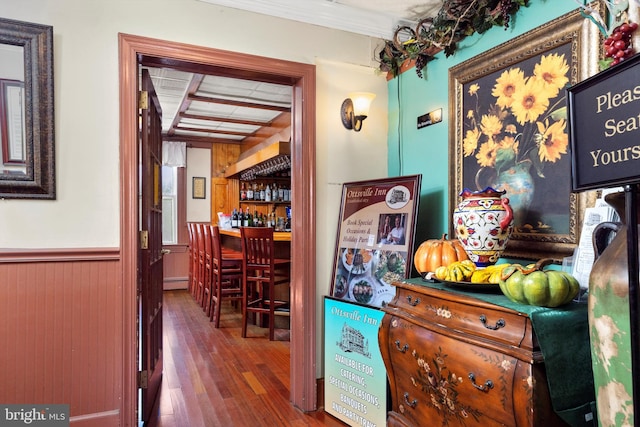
[
  {"x": 230, "y": 238},
  {"x": 278, "y": 236}
]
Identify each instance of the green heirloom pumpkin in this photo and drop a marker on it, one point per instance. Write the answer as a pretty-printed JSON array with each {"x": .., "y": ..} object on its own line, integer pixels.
[{"x": 534, "y": 286}]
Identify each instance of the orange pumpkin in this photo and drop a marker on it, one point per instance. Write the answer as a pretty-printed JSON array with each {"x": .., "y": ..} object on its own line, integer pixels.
[{"x": 434, "y": 253}]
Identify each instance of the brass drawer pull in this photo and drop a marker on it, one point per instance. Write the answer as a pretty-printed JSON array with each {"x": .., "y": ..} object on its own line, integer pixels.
[
  {"x": 412, "y": 403},
  {"x": 499, "y": 324},
  {"x": 402, "y": 349},
  {"x": 413, "y": 303},
  {"x": 488, "y": 384}
]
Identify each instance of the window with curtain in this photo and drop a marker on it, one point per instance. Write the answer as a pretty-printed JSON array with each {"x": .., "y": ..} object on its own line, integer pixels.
[
  {"x": 174, "y": 156},
  {"x": 169, "y": 205}
]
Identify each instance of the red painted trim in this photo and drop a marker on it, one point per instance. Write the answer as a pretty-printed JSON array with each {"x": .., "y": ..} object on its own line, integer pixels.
[
  {"x": 303, "y": 285},
  {"x": 59, "y": 255}
]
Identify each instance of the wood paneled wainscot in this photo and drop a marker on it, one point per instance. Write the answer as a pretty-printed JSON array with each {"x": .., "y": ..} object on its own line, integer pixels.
[{"x": 454, "y": 360}]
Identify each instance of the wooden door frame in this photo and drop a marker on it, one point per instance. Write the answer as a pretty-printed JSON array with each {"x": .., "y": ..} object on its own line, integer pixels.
[{"x": 303, "y": 242}]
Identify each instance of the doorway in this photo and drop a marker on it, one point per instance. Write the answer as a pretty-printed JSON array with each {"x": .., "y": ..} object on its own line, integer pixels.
[{"x": 303, "y": 242}]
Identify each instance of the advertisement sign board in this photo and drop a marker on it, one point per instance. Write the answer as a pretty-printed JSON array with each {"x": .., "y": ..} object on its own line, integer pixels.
[{"x": 355, "y": 376}]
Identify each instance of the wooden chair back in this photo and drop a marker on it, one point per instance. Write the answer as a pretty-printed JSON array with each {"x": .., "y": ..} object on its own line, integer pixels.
[{"x": 261, "y": 273}]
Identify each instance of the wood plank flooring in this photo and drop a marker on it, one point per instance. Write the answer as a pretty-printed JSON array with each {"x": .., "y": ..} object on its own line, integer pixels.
[{"x": 214, "y": 377}]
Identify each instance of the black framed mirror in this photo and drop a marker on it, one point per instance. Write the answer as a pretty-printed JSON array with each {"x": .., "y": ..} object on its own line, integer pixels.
[{"x": 27, "y": 161}]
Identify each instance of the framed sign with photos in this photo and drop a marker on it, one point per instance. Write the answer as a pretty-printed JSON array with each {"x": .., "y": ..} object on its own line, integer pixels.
[{"x": 375, "y": 238}]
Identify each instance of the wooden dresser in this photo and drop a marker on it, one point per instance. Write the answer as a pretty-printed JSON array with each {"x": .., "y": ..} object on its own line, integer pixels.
[{"x": 455, "y": 360}]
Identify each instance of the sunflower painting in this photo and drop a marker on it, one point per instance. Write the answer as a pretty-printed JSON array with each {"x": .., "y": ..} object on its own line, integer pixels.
[
  {"x": 515, "y": 139},
  {"x": 509, "y": 131}
]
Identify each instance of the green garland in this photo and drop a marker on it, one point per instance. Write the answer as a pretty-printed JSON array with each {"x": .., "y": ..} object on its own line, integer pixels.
[{"x": 456, "y": 20}]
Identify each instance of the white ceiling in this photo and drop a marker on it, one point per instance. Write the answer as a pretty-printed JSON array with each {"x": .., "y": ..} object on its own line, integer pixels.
[
  {"x": 172, "y": 86},
  {"x": 376, "y": 18}
]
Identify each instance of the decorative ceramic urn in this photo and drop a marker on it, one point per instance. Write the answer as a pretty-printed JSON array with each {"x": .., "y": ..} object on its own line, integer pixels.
[{"x": 483, "y": 223}]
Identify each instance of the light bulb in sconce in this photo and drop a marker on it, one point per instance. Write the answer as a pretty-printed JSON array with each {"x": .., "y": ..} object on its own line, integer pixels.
[
  {"x": 355, "y": 109},
  {"x": 436, "y": 115}
]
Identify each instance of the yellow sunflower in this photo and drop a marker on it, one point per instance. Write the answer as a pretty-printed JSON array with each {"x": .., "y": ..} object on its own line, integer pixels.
[
  {"x": 506, "y": 86},
  {"x": 490, "y": 125},
  {"x": 473, "y": 89},
  {"x": 470, "y": 142},
  {"x": 552, "y": 70},
  {"x": 530, "y": 101},
  {"x": 553, "y": 141},
  {"x": 487, "y": 154}
]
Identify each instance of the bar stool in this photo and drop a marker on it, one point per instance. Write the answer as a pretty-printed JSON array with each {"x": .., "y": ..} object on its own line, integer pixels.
[
  {"x": 194, "y": 267},
  {"x": 261, "y": 273},
  {"x": 207, "y": 278},
  {"x": 199, "y": 282},
  {"x": 192, "y": 242},
  {"x": 226, "y": 276}
]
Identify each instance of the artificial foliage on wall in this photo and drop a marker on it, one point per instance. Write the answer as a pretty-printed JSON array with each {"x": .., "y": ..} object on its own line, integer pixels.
[{"x": 456, "y": 20}]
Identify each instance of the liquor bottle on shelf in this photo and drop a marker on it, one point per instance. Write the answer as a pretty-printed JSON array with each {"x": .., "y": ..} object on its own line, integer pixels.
[
  {"x": 256, "y": 191},
  {"x": 243, "y": 192},
  {"x": 287, "y": 223},
  {"x": 286, "y": 197},
  {"x": 248, "y": 221},
  {"x": 281, "y": 193},
  {"x": 249, "y": 195},
  {"x": 267, "y": 194},
  {"x": 262, "y": 192},
  {"x": 273, "y": 219},
  {"x": 234, "y": 218},
  {"x": 240, "y": 218}
]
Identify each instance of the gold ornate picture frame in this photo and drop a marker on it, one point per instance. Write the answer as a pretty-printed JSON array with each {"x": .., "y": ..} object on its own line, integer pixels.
[{"x": 517, "y": 139}]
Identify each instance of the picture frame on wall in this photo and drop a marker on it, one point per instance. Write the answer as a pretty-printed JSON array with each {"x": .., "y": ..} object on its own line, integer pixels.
[
  {"x": 199, "y": 187},
  {"x": 509, "y": 131},
  {"x": 374, "y": 245}
]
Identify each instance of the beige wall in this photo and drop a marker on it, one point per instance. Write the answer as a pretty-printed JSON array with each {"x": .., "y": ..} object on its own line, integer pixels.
[
  {"x": 86, "y": 212},
  {"x": 199, "y": 164},
  {"x": 86, "y": 98}
]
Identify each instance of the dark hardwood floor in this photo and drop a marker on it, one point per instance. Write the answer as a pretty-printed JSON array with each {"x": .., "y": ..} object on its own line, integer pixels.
[{"x": 214, "y": 377}]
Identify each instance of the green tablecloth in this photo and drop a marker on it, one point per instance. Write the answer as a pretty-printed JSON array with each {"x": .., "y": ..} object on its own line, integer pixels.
[{"x": 563, "y": 335}]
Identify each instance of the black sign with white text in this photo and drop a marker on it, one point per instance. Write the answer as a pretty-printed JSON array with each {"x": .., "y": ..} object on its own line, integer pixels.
[{"x": 604, "y": 128}]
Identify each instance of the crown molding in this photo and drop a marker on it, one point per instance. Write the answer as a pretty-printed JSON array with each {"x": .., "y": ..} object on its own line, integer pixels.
[{"x": 324, "y": 13}]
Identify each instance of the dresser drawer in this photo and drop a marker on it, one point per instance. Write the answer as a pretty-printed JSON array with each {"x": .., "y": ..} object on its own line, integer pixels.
[
  {"x": 451, "y": 311},
  {"x": 440, "y": 378}
]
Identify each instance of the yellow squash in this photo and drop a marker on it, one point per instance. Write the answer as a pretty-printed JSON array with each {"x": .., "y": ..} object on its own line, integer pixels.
[{"x": 459, "y": 271}]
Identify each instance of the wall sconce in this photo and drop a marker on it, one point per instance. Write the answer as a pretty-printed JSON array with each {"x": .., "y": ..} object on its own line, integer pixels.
[{"x": 355, "y": 109}]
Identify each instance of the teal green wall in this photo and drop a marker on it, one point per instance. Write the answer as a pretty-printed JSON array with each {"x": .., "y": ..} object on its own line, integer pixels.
[{"x": 425, "y": 151}]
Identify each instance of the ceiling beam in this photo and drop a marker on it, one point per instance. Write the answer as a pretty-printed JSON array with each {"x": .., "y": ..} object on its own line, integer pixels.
[
  {"x": 238, "y": 103},
  {"x": 235, "y": 73},
  {"x": 219, "y": 132},
  {"x": 200, "y": 139},
  {"x": 226, "y": 120},
  {"x": 194, "y": 84}
]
